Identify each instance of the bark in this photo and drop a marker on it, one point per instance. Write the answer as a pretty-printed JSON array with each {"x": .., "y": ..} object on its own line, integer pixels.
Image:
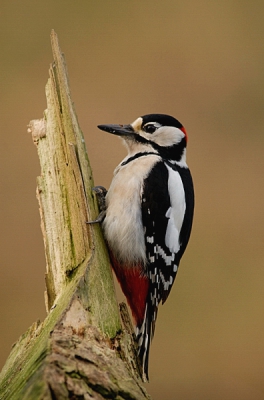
[{"x": 81, "y": 350}]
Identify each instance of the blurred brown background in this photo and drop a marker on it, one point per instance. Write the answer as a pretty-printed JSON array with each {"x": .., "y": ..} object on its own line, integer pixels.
[{"x": 202, "y": 62}]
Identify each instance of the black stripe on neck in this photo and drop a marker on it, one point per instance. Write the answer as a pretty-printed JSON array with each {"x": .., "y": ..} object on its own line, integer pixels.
[{"x": 145, "y": 153}]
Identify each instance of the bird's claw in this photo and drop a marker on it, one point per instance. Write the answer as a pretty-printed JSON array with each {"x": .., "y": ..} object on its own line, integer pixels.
[{"x": 100, "y": 193}]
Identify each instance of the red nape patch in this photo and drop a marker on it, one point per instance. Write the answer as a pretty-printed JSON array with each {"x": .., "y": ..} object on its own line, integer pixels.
[
  {"x": 135, "y": 288},
  {"x": 185, "y": 132}
]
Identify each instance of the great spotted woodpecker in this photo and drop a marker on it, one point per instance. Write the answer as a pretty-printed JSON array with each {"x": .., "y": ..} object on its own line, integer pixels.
[{"x": 148, "y": 217}]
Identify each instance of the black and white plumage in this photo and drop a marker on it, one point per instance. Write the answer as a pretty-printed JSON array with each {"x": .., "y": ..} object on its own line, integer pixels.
[{"x": 149, "y": 213}]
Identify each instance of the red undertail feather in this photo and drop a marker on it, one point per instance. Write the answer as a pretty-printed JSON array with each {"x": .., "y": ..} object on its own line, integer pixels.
[{"x": 135, "y": 287}]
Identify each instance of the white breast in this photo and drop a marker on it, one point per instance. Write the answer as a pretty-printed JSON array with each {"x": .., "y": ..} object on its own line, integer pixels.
[{"x": 123, "y": 222}]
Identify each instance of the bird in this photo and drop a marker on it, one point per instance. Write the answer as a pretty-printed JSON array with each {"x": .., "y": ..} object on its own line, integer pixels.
[{"x": 148, "y": 217}]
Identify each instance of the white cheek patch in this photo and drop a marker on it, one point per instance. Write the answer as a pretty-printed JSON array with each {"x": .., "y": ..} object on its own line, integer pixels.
[
  {"x": 176, "y": 212},
  {"x": 167, "y": 136}
]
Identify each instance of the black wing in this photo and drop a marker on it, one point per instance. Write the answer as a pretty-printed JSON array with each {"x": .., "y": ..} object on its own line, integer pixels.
[{"x": 162, "y": 263}]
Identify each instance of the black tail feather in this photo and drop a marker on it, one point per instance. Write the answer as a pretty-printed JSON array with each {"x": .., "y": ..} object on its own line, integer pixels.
[{"x": 144, "y": 335}]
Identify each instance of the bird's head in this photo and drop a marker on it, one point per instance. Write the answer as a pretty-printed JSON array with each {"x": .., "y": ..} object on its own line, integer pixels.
[{"x": 160, "y": 133}]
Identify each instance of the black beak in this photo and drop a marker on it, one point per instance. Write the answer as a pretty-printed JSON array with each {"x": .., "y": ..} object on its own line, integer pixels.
[{"x": 120, "y": 130}]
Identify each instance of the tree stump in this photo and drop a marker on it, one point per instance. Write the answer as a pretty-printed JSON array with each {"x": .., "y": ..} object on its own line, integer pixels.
[{"x": 81, "y": 350}]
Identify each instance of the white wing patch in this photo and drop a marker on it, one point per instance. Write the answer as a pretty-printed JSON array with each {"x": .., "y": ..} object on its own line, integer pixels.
[
  {"x": 172, "y": 233},
  {"x": 159, "y": 250},
  {"x": 176, "y": 212}
]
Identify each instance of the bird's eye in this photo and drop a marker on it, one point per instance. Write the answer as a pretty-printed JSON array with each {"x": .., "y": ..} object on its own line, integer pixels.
[{"x": 150, "y": 128}]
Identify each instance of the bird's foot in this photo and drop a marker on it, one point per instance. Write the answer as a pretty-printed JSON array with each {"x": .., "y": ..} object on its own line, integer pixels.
[{"x": 100, "y": 193}]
